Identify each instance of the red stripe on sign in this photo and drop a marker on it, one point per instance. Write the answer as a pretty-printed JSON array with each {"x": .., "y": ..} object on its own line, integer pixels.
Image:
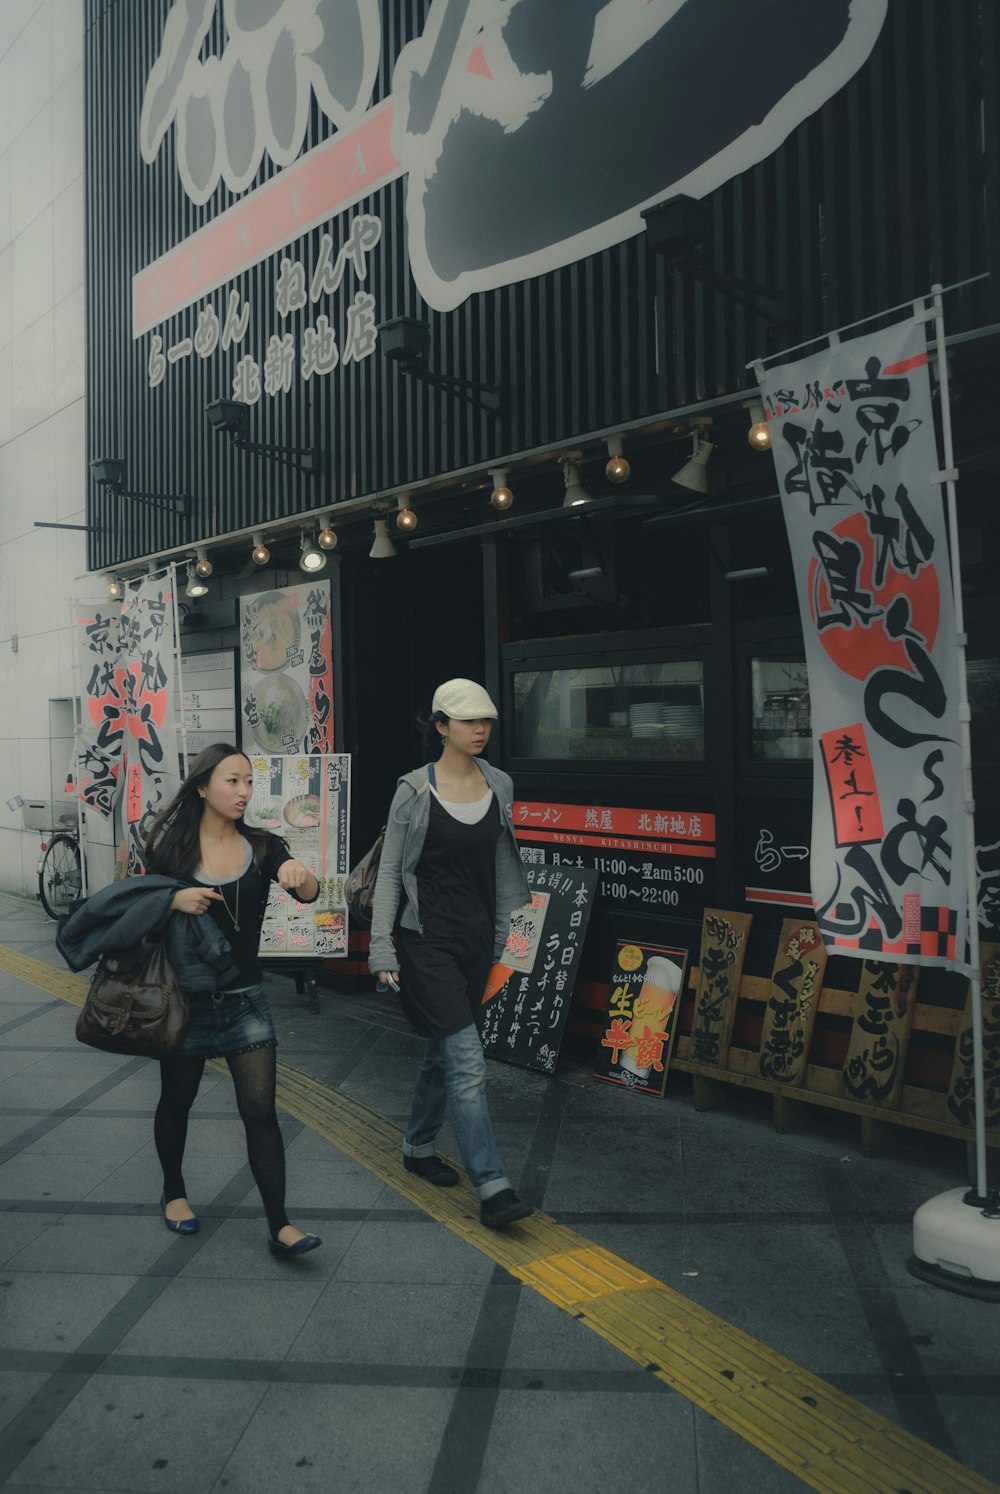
[
  {"x": 780, "y": 898},
  {"x": 907, "y": 363},
  {"x": 614, "y": 843}
]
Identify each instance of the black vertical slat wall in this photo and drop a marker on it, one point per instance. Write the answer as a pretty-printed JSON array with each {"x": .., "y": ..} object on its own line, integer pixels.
[{"x": 890, "y": 186}]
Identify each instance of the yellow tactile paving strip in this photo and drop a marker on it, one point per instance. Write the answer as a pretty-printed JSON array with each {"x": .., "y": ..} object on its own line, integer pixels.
[{"x": 831, "y": 1442}]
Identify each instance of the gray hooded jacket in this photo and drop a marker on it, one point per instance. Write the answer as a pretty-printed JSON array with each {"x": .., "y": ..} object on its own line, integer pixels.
[{"x": 396, "y": 887}]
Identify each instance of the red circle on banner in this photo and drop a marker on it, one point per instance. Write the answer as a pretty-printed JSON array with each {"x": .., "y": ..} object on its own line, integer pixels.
[{"x": 855, "y": 647}]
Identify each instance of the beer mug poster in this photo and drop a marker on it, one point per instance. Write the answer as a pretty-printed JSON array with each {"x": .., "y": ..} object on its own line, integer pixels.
[{"x": 647, "y": 983}]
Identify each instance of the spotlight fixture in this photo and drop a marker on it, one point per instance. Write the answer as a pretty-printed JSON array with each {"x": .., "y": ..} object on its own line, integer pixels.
[
  {"x": 576, "y": 493},
  {"x": 196, "y": 586},
  {"x": 327, "y": 537},
  {"x": 406, "y": 341},
  {"x": 116, "y": 588},
  {"x": 311, "y": 559},
  {"x": 501, "y": 496},
  {"x": 619, "y": 467},
  {"x": 682, "y": 231},
  {"x": 759, "y": 434},
  {"x": 693, "y": 474},
  {"x": 260, "y": 554},
  {"x": 406, "y": 519},
  {"x": 382, "y": 545},
  {"x": 203, "y": 565},
  {"x": 109, "y": 472},
  {"x": 231, "y": 417}
]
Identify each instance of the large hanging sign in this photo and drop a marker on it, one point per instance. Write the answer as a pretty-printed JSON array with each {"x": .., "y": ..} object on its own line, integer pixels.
[
  {"x": 128, "y": 737},
  {"x": 286, "y": 681},
  {"x": 530, "y": 139},
  {"x": 856, "y": 457}
]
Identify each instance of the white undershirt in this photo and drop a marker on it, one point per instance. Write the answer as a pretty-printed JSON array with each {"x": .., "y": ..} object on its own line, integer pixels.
[{"x": 469, "y": 814}]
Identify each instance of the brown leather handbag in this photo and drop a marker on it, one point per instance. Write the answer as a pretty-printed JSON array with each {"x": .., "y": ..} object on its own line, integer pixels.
[
  {"x": 359, "y": 884},
  {"x": 135, "y": 1004}
]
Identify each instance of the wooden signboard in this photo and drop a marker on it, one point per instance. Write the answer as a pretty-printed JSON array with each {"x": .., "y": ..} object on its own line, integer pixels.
[
  {"x": 796, "y": 981},
  {"x": 525, "y": 1007},
  {"x": 723, "y": 949},
  {"x": 961, "y": 1093},
  {"x": 876, "y": 1056},
  {"x": 639, "y": 1025}
]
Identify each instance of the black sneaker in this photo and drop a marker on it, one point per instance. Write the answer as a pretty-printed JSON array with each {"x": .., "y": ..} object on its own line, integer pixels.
[
  {"x": 432, "y": 1170},
  {"x": 503, "y": 1208}
]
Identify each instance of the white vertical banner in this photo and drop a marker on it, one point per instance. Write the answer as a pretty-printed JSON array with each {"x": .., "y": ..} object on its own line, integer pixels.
[
  {"x": 861, "y": 487},
  {"x": 148, "y": 661}
]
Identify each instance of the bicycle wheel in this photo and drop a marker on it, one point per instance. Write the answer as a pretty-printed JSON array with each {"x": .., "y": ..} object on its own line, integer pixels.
[{"x": 59, "y": 880}]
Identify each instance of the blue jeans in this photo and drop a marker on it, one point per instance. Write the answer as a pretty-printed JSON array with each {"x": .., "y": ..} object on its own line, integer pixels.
[{"x": 452, "y": 1078}]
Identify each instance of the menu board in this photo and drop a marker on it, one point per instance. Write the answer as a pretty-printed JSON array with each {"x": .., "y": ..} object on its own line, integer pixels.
[
  {"x": 209, "y": 699},
  {"x": 287, "y": 671},
  {"x": 526, "y": 1004},
  {"x": 307, "y": 801}
]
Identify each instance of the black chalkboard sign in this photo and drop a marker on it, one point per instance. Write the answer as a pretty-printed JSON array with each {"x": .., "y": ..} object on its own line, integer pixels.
[{"x": 527, "y": 999}]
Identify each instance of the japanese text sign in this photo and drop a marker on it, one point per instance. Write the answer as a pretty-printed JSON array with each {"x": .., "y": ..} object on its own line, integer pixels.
[{"x": 856, "y": 458}]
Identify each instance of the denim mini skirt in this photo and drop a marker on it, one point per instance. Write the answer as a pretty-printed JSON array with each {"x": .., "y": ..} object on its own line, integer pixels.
[{"x": 226, "y": 1023}]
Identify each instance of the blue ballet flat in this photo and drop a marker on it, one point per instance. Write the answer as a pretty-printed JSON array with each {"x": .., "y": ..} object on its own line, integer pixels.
[
  {"x": 287, "y": 1252},
  {"x": 178, "y": 1226}
]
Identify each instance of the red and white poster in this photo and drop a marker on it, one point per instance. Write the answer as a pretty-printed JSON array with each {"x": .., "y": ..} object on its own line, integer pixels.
[
  {"x": 857, "y": 462},
  {"x": 287, "y": 669}
]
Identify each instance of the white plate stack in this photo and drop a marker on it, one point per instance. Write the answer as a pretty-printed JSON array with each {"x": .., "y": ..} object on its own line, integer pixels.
[
  {"x": 645, "y": 719},
  {"x": 681, "y": 720}
]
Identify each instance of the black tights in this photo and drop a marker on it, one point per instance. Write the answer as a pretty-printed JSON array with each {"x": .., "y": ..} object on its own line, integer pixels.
[{"x": 253, "y": 1076}]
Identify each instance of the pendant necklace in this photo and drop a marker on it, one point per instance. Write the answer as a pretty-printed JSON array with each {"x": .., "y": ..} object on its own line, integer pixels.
[{"x": 235, "y": 916}]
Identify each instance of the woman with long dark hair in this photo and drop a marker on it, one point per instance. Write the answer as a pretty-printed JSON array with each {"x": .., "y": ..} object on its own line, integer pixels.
[
  {"x": 201, "y": 838},
  {"x": 449, "y": 877}
]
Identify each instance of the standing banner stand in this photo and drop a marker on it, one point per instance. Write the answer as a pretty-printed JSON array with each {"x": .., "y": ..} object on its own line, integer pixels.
[
  {"x": 306, "y": 799},
  {"x": 893, "y": 854}
]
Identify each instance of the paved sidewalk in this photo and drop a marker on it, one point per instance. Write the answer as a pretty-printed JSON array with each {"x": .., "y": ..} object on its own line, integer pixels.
[{"x": 403, "y": 1354}]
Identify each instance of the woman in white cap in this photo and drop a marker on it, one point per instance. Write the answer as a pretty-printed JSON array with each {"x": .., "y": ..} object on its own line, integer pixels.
[{"x": 449, "y": 877}]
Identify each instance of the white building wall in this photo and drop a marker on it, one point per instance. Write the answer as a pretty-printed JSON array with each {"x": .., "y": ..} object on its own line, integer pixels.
[{"x": 42, "y": 438}]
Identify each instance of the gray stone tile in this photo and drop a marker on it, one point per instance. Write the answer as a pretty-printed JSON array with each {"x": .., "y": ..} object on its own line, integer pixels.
[
  {"x": 18, "y": 1229},
  {"x": 662, "y": 1249},
  {"x": 313, "y": 1439},
  {"x": 88, "y": 1135},
  {"x": 94, "y": 1244},
  {"x": 972, "y": 1422},
  {"x": 55, "y": 1311},
  {"x": 131, "y": 1435},
  {"x": 139, "y": 1180},
  {"x": 590, "y": 1444},
  {"x": 16, "y": 1390},
  {"x": 238, "y": 1250},
  {"x": 211, "y": 1318},
  {"x": 330, "y": 1185},
  {"x": 390, "y": 1323},
  {"x": 743, "y": 1255},
  {"x": 949, "y": 1330},
  {"x": 421, "y": 1251},
  {"x": 545, "y": 1338},
  {"x": 51, "y": 1176}
]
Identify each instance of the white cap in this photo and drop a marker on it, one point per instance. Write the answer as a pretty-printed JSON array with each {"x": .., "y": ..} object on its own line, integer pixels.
[{"x": 463, "y": 700}]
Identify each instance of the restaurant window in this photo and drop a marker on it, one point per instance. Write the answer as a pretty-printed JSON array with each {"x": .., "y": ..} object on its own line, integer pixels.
[
  {"x": 782, "y": 719},
  {"x": 635, "y": 711}
]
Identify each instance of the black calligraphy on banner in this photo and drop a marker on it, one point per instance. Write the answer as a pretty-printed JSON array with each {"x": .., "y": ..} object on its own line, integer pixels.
[
  {"x": 796, "y": 980},
  {"x": 102, "y": 726},
  {"x": 526, "y": 1003},
  {"x": 856, "y": 457},
  {"x": 876, "y": 1054},
  {"x": 720, "y": 966},
  {"x": 150, "y": 753},
  {"x": 961, "y": 1099}
]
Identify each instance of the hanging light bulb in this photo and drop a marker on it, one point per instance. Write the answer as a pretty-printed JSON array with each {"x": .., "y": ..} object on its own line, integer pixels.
[
  {"x": 116, "y": 588},
  {"x": 406, "y": 519},
  {"x": 311, "y": 559},
  {"x": 327, "y": 537},
  {"x": 202, "y": 565},
  {"x": 759, "y": 434},
  {"x": 196, "y": 586},
  {"x": 260, "y": 554},
  {"x": 619, "y": 468},
  {"x": 501, "y": 496}
]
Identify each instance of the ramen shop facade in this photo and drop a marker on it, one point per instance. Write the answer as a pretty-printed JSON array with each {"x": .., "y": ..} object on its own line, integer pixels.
[{"x": 477, "y": 296}]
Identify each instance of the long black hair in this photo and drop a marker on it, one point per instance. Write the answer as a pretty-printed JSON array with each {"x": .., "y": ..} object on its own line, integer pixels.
[{"x": 172, "y": 845}]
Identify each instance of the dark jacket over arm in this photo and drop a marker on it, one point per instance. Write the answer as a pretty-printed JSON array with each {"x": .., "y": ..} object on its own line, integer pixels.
[{"x": 124, "y": 914}]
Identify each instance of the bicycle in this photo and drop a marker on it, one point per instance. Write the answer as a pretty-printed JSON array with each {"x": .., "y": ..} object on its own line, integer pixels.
[{"x": 60, "y": 872}]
